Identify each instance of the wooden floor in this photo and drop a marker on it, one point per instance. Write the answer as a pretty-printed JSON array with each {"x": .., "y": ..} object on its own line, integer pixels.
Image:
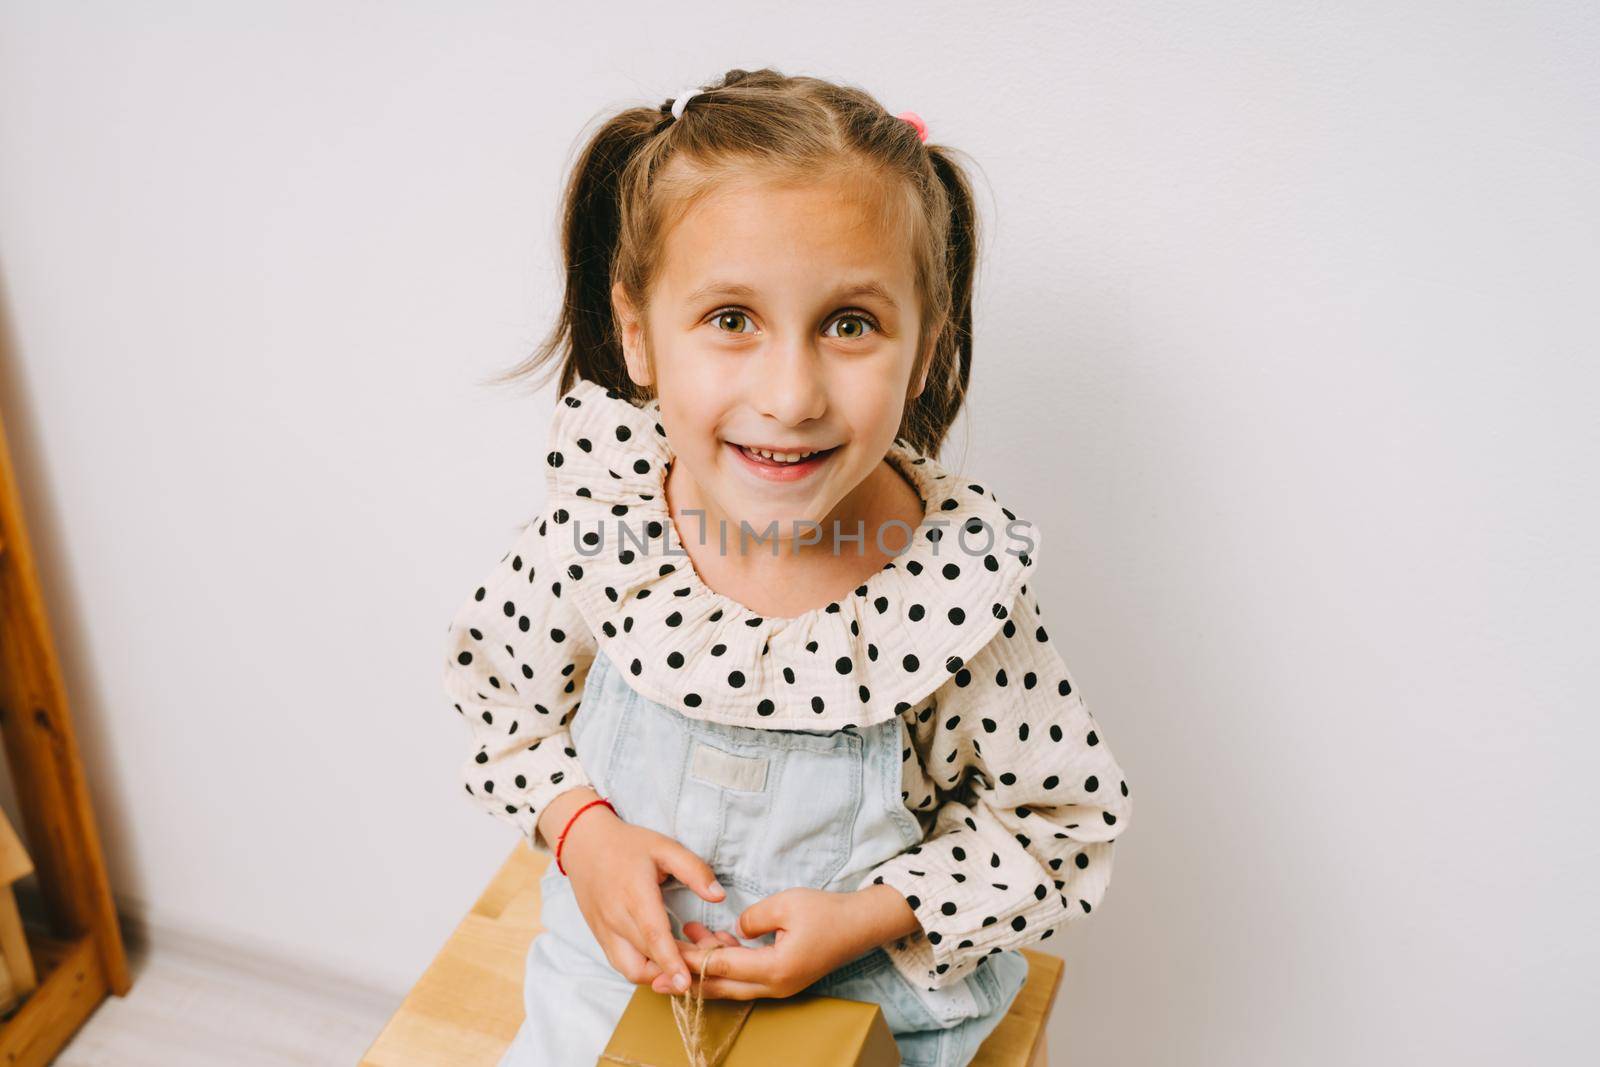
[{"x": 190, "y": 1008}]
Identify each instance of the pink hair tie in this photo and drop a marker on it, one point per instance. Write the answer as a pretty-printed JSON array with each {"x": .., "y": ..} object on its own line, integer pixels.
[{"x": 915, "y": 120}]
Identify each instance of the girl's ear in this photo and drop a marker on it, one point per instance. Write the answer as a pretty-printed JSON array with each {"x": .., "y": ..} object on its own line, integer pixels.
[
  {"x": 922, "y": 379},
  {"x": 630, "y": 332},
  {"x": 926, "y": 364}
]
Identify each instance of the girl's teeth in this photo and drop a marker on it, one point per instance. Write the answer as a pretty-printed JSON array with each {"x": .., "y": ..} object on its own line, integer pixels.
[{"x": 781, "y": 457}]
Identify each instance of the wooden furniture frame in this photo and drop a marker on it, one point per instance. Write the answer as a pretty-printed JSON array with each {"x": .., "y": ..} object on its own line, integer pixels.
[
  {"x": 80, "y": 957},
  {"x": 467, "y": 1007}
]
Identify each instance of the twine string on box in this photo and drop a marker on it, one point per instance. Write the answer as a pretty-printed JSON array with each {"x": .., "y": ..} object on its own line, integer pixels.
[
  {"x": 688, "y": 1015},
  {"x": 688, "y": 1012}
]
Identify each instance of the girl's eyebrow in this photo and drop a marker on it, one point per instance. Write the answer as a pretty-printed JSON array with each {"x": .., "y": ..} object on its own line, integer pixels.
[{"x": 868, "y": 288}]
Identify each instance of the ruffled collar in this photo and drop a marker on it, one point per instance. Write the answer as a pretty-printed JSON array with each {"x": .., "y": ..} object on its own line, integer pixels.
[{"x": 864, "y": 658}]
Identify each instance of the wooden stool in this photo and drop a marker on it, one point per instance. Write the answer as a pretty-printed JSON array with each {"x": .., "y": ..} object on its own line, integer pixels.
[{"x": 467, "y": 1006}]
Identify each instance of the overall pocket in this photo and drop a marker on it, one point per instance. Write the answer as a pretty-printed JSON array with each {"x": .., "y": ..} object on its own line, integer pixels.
[{"x": 773, "y": 809}]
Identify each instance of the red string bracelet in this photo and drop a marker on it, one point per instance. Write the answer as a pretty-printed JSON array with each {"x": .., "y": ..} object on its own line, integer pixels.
[{"x": 562, "y": 840}]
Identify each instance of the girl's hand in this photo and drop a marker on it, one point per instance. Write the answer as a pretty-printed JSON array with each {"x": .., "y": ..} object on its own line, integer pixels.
[
  {"x": 700, "y": 936},
  {"x": 616, "y": 870},
  {"x": 817, "y": 931}
]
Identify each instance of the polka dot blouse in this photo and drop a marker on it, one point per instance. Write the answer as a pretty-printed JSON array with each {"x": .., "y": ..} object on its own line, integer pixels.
[{"x": 1003, "y": 764}]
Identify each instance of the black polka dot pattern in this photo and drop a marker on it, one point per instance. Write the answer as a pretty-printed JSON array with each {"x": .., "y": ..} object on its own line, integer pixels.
[
  {"x": 858, "y": 657},
  {"x": 1029, "y": 847},
  {"x": 516, "y": 655}
]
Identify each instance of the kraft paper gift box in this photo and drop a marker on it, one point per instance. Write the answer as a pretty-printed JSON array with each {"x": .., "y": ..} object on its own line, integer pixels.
[{"x": 800, "y": 1031}]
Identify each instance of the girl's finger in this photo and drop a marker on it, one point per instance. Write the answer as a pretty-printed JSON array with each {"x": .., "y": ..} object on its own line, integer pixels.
[
  {"x": 699, "y": 935},
  {"x": 631, "y": 925},
  {"x": 735, "y": 962},
  {"x": 658, "y": 983},
  {"x": 629, "y": 931},
  {"x": 728, "y": 989},
  {"x": 704, "y": 938},
  {"x": 628, "y": 960},
  {"x": 652, "y": 971},
  {"x": 689, "y": 869},
  {"x": 662, "y": 948}
]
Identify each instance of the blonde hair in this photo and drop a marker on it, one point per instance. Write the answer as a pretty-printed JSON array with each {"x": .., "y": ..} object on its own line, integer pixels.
[{"x": 618, "y": 206}]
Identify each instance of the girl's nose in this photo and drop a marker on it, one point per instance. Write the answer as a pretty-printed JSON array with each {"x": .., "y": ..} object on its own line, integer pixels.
[{"x": 789, "y": 387}]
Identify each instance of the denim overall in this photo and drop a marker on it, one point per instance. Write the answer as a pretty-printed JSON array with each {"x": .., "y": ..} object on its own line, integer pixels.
[{"x": 768, "y": 810}]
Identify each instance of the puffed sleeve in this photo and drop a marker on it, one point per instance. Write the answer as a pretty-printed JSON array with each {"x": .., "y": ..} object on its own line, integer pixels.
[
  {"x": 515, "y": 663},
  {"x": 1029, "y": 799}
]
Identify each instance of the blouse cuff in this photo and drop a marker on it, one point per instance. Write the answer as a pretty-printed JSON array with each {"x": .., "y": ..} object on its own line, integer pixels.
[
  {"x": 518, "y": 786},
  {"x": 962, "y": 921}
]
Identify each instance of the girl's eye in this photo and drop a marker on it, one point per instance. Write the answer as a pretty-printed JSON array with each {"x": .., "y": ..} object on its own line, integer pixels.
[
  {"x": 862, "y": 321},
  {"x": 724, "y": 316}
]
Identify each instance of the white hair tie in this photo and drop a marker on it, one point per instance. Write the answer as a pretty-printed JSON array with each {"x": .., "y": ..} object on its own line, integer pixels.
[{"x": 681, "y": 101}]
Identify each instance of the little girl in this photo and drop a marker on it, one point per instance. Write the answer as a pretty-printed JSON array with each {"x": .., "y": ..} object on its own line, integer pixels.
[{"x": 866, "y": 774}]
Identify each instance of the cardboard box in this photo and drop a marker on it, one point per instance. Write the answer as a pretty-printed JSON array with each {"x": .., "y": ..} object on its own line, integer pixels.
[{"x": 800, "y": 1031}]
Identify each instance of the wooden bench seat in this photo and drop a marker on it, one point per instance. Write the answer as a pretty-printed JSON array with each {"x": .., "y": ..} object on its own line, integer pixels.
[{"x": 467, "y": 1006}]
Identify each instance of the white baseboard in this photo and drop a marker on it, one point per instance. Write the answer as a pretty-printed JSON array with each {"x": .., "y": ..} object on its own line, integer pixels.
[{"x": 146, "y": 930}]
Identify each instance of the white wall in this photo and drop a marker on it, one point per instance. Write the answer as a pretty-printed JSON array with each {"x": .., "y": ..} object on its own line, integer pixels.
[{"x": 1287, "y": 339}]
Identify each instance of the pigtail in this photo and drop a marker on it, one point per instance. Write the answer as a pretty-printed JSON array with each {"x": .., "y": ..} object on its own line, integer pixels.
[
  {"x": 584, "y": 337},
  {"x": 928, "y": 416}
]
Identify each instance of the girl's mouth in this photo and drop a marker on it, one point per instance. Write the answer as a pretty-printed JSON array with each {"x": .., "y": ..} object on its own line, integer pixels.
[{"x": 782, "y": 466}]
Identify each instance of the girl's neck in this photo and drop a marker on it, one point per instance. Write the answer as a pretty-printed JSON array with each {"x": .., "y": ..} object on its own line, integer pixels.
[{"x": 792, "y": 581}]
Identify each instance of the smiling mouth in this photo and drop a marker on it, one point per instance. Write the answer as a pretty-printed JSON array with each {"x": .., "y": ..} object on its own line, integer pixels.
[{"x": 779, "y": 458}]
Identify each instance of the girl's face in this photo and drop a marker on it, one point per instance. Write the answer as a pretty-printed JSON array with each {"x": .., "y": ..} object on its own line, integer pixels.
[{"x": 783, "y": 317}]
